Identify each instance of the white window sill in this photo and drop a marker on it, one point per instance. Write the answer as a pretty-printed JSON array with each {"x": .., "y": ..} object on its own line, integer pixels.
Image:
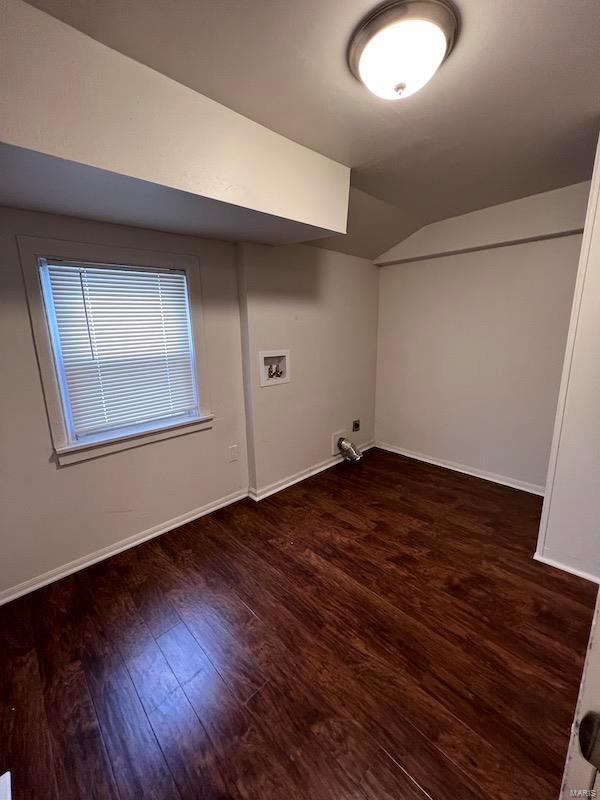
[{"x": 70, "y": 454}]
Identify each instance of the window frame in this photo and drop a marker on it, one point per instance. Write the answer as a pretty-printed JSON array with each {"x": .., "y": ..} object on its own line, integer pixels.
[{"x": 31, "y": 250}]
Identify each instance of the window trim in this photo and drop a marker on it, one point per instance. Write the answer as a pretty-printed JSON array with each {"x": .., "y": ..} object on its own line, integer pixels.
[{"x": 32, "y": 249}]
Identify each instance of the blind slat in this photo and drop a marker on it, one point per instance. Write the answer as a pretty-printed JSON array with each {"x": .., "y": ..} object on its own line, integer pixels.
[{"x": 123, "y": 345}]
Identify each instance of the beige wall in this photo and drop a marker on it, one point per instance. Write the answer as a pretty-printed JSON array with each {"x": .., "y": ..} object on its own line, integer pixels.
[
  {"x": 470, "y": 356},
  {"x": 52, "y": 516},
  {"x": 322, "y": 306},
  {"x": 569, "y": 531}
]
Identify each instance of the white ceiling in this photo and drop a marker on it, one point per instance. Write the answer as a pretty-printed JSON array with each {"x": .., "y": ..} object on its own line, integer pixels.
[{"x": 514, "y": 111}]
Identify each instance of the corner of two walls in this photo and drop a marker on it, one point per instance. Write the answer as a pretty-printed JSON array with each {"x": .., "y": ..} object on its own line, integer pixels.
[
  {"x": 453, "y": 356},
  {"x": 473, "y": 321},
  {"x": 468, "y": 347},
  {"x": 53, "y": 520},
  {"x": 321, "y": 306}
]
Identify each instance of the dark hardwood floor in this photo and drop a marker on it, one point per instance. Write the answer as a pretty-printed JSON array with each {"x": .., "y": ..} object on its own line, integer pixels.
[{"x": 377, "y": 631}]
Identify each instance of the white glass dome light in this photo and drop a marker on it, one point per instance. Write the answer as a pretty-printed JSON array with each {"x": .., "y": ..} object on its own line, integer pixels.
[{"x": 400, "y": 46}]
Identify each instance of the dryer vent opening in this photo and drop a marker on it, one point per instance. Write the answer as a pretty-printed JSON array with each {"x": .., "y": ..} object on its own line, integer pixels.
[{"x": 349, "y": 450}]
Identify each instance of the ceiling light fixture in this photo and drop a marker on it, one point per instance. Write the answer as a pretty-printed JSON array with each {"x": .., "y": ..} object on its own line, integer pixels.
[{"x": 399, "y": 47}]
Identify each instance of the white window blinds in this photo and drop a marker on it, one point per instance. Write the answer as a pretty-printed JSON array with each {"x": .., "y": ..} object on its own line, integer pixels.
[{"x": 123, "y": 347}]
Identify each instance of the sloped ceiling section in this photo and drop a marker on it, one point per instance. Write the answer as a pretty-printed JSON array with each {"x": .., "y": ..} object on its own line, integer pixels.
[
  {"x": 372, "y": 225},
  {"x": 137, "y": 140},
  {"x": 560, "y": 212},
  {"x": 513, "y": 112}
]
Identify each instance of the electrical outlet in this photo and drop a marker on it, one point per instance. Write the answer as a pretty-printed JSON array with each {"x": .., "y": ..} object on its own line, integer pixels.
[
  {"x": 334, "y": 440},
  {"x": 355, "y": 425},
  {"x": 233, "y": 452}
]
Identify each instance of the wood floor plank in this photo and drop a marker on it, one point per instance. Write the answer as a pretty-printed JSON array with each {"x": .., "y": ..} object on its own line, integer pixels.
[
  {"x": 488, "y": 703},
  {"x": 379, "y": 630},
  {"x": 188, "y": 749},
  {"x": 245, "y": 754},
  {"x": 419, "y": 722},
  {"x": 183, "y": 741},
  {"x": 369, "y": 766},
  {"x": 138, "y": 763},
  {"x": 185, "y": 656},
  {"x": 342, "y": 674},
  {"x": 118, "y": 616},
  {"x": 151, "y": 603},
  {"x": 25, "y": 741},
  {"x": 82, "y": 765},
  {"x": 335, "y": 756},
  {"x": 369, "y": 560},
  {"x": 461, "y": 629},
  {"x": 216, "y": 618}
]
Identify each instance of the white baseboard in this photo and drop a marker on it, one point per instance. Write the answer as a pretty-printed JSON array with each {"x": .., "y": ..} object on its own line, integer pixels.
[
  {"x": 551, "y": 562},
  {"x": 532, "y": 488},
  {"x": 85, "y": 561},
  {"x": 272, "y": 488},
  {"x": 106, "y": 552}
]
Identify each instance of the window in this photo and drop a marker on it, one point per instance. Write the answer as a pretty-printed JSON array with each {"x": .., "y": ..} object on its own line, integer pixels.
[{"x": 120, "y": 347}]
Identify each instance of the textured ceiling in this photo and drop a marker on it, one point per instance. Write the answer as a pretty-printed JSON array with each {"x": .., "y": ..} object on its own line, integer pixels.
[{"x": 514, "y": 111}]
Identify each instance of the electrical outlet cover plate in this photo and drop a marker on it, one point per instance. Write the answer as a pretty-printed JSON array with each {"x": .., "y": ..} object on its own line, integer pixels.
[{"x": 334, "y": 440}]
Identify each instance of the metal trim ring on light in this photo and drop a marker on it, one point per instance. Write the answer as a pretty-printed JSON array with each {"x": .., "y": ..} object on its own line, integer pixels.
[{"x": 435, "y": 11}]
